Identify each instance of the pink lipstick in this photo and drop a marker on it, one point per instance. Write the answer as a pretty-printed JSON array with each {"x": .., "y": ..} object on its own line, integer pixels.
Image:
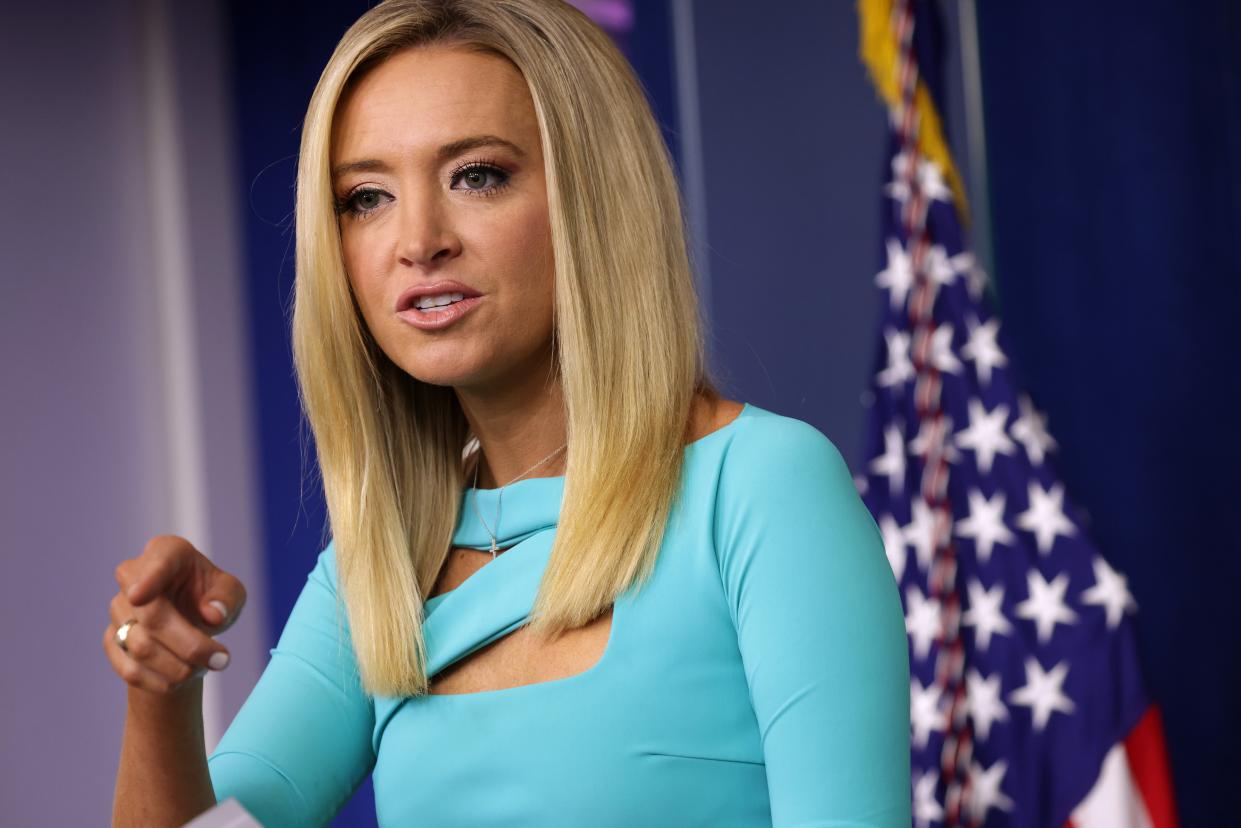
[{"x": 437, "y": 305}]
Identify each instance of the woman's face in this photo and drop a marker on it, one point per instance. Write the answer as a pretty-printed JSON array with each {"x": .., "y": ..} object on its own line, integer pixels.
[{"x": 437, "y": 169}]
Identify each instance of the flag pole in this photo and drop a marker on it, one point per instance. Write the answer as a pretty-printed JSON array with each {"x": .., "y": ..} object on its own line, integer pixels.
[{"x": 976, "y": 134}]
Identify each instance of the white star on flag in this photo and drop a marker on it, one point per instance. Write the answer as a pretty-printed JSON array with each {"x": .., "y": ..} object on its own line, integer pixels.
[
  {"x": 925, "y": 806},
  {"x": 1110, "y": 591},
  {"x": 983, "y": 699},
  {"x": 986, "y": 434},
  {"x": 984, "y": 614},
  {"x": 922, "y": 620},
  {"x": 930, "y": 180},
  {"x": 975, "y": 276},
  {"x": 892, "y": 462},
  {"x": 898, "y": 276},
  {"x": 985, "y": 792},
  {"x": 1045, "y": 517},
  {"x": 1030, "y": 429},
  {"x": 899, "y": 369},
  {"x": 1045, "y": 606},
  {"x": 893, "y": 545},
  {"x": 920, "y": 533},
  {"x": 938, "y": 266},
  {"x": 983, "y": 350},
  {"x": 898, "y": 188},
  {"x": 942, "y": 356},
  {"x": 1042, "y": 692},
  {"x": 925, "y": 715},
  {"x": 920, "y": 445},
  {"x": 985, "y": 525}
]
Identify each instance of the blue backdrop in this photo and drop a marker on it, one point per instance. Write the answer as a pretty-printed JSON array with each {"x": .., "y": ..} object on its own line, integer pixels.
[{"x": 1114, "y": 142}]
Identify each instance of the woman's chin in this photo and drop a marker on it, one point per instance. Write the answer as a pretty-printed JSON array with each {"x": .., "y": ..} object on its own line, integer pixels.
[
  {"x": 447, "y": 368},
  {"x": 483, "y": 370},
  {"x": 447, "y": 379},
  {"x": 447, "y": 375}
]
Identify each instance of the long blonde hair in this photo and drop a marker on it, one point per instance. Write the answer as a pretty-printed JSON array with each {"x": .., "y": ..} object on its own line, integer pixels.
[{"x": 628, "y": 335}]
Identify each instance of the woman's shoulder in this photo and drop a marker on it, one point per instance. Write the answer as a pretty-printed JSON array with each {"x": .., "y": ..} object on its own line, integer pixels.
[
  {"x": 764, "y": 457},
  {"x": 786, "y": 497},
  {"x": 762, "y": 439}
]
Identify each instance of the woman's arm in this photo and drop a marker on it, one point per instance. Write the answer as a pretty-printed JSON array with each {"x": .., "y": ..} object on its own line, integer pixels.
[
  {"x": 171, "y": 599},
  {"x": 820, "y": 629},
  {"x": 301, "y": 743},
  {"x": 162, "y": 779}
]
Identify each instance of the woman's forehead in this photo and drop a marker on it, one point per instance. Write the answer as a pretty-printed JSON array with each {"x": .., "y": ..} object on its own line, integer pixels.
[{"x": 421, "y": 99}]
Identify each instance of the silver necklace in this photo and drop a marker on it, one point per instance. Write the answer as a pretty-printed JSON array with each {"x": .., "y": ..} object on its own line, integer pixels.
[{"x": 500, "y": 496}]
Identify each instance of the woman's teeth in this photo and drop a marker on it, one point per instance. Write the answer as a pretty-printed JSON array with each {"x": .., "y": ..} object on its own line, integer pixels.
[{"x": 428, "y": 302}]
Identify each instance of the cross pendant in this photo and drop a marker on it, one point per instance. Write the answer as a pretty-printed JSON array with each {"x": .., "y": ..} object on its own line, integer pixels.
[{"x": 493, "y": 549}]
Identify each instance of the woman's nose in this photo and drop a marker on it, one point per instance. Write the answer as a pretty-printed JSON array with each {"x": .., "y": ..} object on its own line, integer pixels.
[{"x": 427, "y": 236}]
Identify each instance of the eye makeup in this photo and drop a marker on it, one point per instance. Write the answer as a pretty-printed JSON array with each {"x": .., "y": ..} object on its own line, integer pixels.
[
  {"x": 473, "y": 170},
  {"x": 492, "y": 179}
]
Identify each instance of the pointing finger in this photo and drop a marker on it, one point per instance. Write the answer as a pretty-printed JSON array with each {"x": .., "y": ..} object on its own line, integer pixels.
[{"x": 165, "y": 561}]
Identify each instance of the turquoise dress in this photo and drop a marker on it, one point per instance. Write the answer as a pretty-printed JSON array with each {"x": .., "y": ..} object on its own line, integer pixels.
[{"x": 759, "y": 678}]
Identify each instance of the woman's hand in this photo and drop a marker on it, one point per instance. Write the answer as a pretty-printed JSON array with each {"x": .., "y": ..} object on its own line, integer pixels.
[{"x": 179, "y": 599}]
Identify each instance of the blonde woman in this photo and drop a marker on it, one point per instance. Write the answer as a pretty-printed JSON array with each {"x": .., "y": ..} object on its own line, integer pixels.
[{"x": 568, "y": 584}]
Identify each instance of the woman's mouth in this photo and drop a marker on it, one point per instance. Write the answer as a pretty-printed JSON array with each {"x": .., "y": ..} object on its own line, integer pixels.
[
  {"x": 436, "y": 312},
  {"x": 431, "y": 311}
]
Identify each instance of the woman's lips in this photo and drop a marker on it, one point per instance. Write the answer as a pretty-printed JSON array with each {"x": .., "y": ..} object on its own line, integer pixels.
[{"x": 433, "y": 319}]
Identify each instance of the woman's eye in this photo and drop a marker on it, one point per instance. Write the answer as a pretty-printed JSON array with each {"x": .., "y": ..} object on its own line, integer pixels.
[
  {"x": 479, "y": 178},
  {"x": 363, "y": 201}
]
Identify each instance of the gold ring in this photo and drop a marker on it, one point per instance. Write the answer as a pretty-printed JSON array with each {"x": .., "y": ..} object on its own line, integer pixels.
[{"x": 122, "y": 634}]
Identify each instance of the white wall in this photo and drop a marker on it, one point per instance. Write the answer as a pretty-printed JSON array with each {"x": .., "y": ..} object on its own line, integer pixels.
[{"x": 88, "y": 469}]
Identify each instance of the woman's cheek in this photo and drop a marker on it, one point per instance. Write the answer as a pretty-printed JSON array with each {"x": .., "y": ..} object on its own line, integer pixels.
[
  {"x": 364, "y": 272},
  {"x": 534, "y": 243}
]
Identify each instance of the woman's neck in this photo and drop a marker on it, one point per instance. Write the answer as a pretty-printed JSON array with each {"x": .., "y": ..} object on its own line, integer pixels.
[{"x": 516, "y": 427}]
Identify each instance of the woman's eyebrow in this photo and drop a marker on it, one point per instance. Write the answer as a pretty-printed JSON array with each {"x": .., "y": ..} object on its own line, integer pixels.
[
  {"x": 475, "y": 142},
  {"x": 368, "y": 165},
  {"x": 442, "y": 154}
]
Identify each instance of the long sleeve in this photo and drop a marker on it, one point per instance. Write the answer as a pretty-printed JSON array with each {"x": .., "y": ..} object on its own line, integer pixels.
[
  {"x": 820, "y": 629},
  {"x": 300, "y": 745}
]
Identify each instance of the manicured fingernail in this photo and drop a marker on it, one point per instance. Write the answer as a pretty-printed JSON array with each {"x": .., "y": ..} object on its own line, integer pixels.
[
  {"x": 218, "y": 661},
  {"x": 219, "y": 605}
]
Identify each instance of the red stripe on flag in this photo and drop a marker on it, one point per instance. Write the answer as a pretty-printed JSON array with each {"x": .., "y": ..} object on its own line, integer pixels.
[{"x": 1148, "y": 763}]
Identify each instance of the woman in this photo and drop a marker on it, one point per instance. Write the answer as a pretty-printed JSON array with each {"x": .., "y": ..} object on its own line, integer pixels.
[{"x": 650, "y": 606}]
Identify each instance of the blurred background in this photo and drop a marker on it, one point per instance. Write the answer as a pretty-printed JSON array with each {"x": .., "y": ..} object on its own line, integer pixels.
[{"x": 147, "y": 155}]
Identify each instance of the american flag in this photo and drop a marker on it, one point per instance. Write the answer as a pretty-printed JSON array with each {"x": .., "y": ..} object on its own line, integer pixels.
[{"x": 1026, "y": 699}]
